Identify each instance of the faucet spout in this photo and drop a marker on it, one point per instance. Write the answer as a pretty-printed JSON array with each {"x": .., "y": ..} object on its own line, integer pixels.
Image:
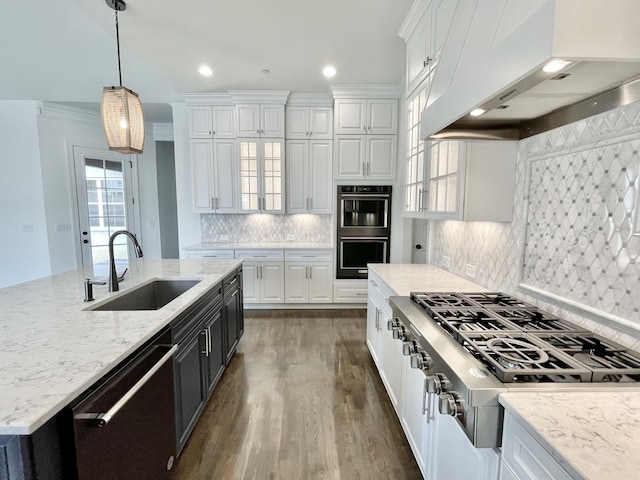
[{"x": 113, "y": 275}]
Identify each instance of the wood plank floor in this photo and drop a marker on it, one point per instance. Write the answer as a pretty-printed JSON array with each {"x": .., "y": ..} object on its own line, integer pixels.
[{"x": 301, "y": 399}]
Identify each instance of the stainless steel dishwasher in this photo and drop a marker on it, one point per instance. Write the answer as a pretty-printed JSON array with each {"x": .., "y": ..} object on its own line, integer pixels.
[{"x": 125, "y": 427}]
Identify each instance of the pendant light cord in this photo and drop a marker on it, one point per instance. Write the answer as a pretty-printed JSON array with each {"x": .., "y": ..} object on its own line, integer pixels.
[{"x": 118, "y": 43}]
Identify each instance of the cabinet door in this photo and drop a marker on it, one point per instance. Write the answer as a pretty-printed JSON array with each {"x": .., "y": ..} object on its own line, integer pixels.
[
  {"x": 224, "y": 176},
  {"x": 381, "y": 157},
  {"x": 349, "y": 156},
  {"x": 419, "y": 50},
  {"x": 201, "y": 169},
  {"x": 272, "y": 279},
  {"x": 251, "y": 288},
  {"x": 297, "y": 176},
  {"x": 224, "y": 124},
  {"x": 296, "y": 283},
  {"x": 443, "y": 11},
  {"x": 272, "y": 181},
  {"x": 382, "y": 116},
  {"x": 320, "y": 282},
  {"x": 350, "y": 116},
  {"x": 189, "y": 385},
  {"x": 214, "y": 356},
  {"x": 373, "y": 320},
  {"x": 231, "y": 324},
  {"x": 272, "y": 121},
  {"x": 319, "y": 176},
  {"x": 200, "y": 122},
  {"x": 413, "y": 407},
  {"x": 250, "y": 192},
  {"x": 248, "y": 120},
  {"x": 321, "y": 123},
  {"x": 297, "y": 123}
]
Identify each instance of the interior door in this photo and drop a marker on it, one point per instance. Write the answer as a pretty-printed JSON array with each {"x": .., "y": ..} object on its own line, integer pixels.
[{"x": 105, "y": 200}]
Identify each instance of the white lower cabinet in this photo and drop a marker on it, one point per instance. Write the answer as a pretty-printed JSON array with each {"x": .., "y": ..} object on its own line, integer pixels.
[
  {"x": 308, "y": 276},
  {"x": 263, "y": 276},
  {"x": 350, "y": 291},
  {"x": 523, "y": 458}
]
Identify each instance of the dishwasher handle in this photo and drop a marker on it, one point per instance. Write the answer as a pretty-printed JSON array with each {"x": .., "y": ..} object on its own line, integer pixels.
[{"x": 102, "y": 419}]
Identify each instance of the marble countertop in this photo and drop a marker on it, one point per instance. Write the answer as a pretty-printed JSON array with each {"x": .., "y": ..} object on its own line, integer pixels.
[
  {"x": 259, "y": 246},
  {"x": 594, "y": 434},
  {"x": 406, "y": 278},
  {"x": 52, "y": 349}
]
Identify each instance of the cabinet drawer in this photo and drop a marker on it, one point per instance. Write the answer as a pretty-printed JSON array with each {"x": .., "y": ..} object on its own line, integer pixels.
[
  {"x": 350, "y": 292},
  {"x": 210, "y": 254},
  {"x": 308, "y": 255},
  {"x": 525, "y": 457},
  {"x": 189, "y": 319},
  {"x": 261, "y": 255}
]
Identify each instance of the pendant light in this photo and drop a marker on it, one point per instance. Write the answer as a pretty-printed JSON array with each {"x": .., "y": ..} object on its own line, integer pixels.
[{"x": 121, "y": 109}]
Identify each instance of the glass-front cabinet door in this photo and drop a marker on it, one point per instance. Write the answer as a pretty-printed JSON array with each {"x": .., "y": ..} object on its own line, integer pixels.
[{"x": 262, "y": 176}]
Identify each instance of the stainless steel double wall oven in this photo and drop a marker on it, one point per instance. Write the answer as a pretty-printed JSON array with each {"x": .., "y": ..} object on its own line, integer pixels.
[{"x": 364, "y": 228}]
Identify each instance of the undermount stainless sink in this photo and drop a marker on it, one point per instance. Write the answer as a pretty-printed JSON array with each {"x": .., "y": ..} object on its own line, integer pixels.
[{"x": 150, "y": 296}]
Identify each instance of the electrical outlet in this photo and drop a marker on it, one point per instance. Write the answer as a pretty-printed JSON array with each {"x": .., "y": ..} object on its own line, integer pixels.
[
  {"x": 470, "y": 271},
  {"x": 27, "y": 228},
  {"x": 290, "y": 237},
  {"x": 152, "y": 224},
  {"x": 62, "y": 227},
  {"x": 446, "y": 261},
  {"x": 223, "y": 238}
]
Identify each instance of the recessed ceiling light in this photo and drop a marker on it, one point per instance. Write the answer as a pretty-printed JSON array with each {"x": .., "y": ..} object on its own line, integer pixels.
[
  {"x": 265, "y": 71},
  {"x": 205, "y": 71},
  {"x": 477, "y": 112},
  {"x": 555, "y": 66},
  {"x": 329, "y": 71}
]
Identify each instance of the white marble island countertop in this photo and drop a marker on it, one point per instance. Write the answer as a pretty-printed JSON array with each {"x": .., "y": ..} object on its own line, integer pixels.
[
  {"x": 404, "y": 278},
  {"x": 52, "y": 349},
  {"x": 258, "y": 246},
  {"x": 594, "y": 434}
]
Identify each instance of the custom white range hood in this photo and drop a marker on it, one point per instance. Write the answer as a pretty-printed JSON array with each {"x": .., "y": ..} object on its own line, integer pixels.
[{"x": 493, "y": 60}]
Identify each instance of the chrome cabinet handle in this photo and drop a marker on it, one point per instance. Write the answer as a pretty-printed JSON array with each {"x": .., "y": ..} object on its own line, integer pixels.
[
  {"x": 209, "y": 336},
  {"x": 424, "y": 398},
  {"x": 102, "y": 419},
  {"x": 310, "y": 271}
]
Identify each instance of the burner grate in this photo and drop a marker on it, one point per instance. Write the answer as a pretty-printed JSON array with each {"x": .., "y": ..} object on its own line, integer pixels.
[
  {"x": 534, "y": 320},
  {"x": 456, "y": 320},
  {"x": 519, "y": 357},
  {"x": 434, "y": 299},
  {"x": 497, "y": 299}
]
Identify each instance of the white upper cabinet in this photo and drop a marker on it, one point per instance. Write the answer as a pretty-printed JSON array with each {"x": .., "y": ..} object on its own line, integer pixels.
[
  {"x": 214, "y": 176},
  {"x": 464, "y": 180},
  {"x": 425, "y": 31},
  {"x": 309, "y": 123},
  {"x": 260, "y": 120},
  {"x": 366, "y": 116},
  {"x": 365, "y": 157},
  {"x": 309, "y": 181},
  {"x": 207, "y": 121},
  {"x": 262, "y": 176}
]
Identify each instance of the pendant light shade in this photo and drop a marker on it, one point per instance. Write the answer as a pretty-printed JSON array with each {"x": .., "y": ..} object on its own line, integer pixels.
[
  {"x": 122, "y": 120},
  {"x": 122, "y": 117}
]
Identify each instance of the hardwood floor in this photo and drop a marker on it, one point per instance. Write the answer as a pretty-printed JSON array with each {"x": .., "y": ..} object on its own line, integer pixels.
[{"x": 301, "y": 399}]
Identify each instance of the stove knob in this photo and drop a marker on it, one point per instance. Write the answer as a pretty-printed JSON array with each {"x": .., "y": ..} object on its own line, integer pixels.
[
  {"x": 437, "y": 383},
  {"x": 421, "y": 360},
  {"x": 409, "y": 347},
  {"x": 391, "y": 324},
  {"x": 450, "y": 404},
  {"x": 398, "y": 332}
]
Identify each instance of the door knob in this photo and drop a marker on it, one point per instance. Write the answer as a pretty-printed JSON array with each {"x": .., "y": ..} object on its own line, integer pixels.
[
  {"x": 85, "y": 241},
  {"x": 418, "y": 247}
]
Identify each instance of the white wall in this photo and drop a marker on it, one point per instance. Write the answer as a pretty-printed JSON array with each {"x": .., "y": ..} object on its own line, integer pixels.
[
  {"x": 148, "y": 199},
  {"x": 23, "y": 255}
]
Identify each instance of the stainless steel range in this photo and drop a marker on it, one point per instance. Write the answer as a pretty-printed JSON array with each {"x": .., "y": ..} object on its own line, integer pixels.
[{"x": 474, "y": 346}]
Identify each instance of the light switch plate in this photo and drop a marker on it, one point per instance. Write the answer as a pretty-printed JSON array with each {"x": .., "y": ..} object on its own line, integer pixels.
[
  {"x": 290, "y": 237},
  {"x": 224, "y": 238},
  {"x": 446, "y": 261}
]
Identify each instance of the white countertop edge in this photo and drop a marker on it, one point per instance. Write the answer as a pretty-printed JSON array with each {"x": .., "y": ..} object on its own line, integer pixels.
[{"x": 257, "y": 246}]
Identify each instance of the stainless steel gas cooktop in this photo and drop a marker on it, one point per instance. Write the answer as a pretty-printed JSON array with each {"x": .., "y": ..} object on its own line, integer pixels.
[{"x": 474, "y": 346}]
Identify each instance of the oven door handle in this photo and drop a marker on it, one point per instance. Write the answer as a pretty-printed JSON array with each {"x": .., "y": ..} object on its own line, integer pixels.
[
  {"x": 382, "y": 239},
  {"x": 359, "y": 196}
]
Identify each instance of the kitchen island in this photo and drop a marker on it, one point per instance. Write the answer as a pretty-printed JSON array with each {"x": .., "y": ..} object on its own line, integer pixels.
[{"x": 53, "y": 347}]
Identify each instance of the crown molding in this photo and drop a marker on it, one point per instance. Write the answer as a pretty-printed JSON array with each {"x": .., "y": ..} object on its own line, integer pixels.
[
  {"x": 310, "y": 100},
  {"x": 413, "y": 17},
  {"x": 366, "y": 91},
  {"x": 64, "y": 112},
  {"x": 214, "y": 98},
  {"x": 278, "y": 97}
]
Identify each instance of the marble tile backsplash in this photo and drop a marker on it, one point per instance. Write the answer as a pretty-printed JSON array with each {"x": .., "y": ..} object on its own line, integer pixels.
[
  {"x": 572, "y": 231},
  {"x": 266, "y": 228}
]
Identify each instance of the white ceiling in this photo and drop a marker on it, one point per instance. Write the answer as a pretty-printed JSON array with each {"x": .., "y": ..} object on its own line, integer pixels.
[{"x": 65, "y": 50}]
